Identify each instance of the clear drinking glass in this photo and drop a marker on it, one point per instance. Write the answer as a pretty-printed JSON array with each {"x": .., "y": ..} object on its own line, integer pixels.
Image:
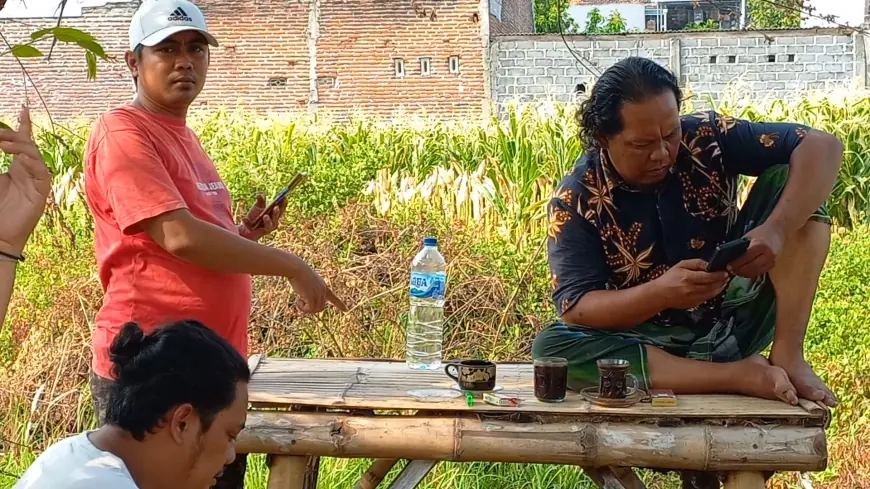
[{"x": 551, "y": 379}]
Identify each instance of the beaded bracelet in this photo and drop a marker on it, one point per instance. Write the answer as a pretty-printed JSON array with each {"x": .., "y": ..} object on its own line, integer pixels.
[{"x": 7, "y": 257}]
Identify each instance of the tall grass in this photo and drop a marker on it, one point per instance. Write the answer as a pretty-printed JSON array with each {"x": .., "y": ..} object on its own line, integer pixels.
[
  {"x": 375, "y": 189},
  {"x": 502, "y": 168},
  {"x": 846, "y": 118}
]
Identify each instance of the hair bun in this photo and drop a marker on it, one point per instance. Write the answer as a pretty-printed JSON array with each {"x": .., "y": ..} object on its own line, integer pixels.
[{"x": 126, "y": 345}]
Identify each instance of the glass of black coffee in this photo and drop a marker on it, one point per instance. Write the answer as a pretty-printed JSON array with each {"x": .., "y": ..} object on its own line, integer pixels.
[{"x": 551, "y": 379}]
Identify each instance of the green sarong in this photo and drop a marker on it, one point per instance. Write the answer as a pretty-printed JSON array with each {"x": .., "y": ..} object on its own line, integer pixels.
[{"x": 744, "y": 327}]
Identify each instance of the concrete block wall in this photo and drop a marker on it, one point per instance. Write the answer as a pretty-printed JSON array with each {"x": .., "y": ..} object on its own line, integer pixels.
[
  {"x": 780, "y": 64},
  {"x": 542, "y": 66}
]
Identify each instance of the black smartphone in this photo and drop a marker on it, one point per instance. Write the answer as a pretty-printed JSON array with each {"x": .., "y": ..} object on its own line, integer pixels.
[
  {"x": 726, "y": 253},
  {"x": 281, "y": 197}
]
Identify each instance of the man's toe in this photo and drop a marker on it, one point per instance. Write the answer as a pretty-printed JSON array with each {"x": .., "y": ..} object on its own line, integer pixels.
[{"x": 816, "y": 395}]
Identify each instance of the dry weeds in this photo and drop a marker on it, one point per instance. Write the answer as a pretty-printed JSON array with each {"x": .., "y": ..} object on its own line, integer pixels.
[{"x": 364, "y": 258}]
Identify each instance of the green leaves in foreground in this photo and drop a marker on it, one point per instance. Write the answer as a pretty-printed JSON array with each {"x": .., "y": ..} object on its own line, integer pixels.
[
  {"x": 69, "y": 35},
  {"x": 25, "y": 51}
]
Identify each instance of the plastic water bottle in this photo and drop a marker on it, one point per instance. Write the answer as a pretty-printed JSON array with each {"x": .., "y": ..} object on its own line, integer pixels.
[{"x": 426, "y": 317}]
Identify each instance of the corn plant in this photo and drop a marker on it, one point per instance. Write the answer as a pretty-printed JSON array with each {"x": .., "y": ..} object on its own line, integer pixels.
[{"x": 510, "y": 165}]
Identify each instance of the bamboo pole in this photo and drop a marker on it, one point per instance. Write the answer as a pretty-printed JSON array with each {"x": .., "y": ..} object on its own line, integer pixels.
[
  {"x": 312, "y": 472},
  {"x": 413, "y": 474},
  {"x": 614, "y": 477},
  {"x": 287, "y": 472},
  {"x": 688, "y": 447},
  {"x": 744, "y": 480},
  {"x": 376, "y": 473}
]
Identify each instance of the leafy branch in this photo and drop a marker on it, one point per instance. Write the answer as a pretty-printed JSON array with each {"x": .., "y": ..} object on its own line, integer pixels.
[{"x": 69, "y": 35}]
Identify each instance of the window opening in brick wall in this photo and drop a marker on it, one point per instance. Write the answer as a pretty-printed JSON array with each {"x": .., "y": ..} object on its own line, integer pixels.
[
  {"x": 732, "y": 59},
  {"x": 399, "y": 67},
  {"x": 771, "y": 58},
  {"x": 791, "y": 58},
  {"x": 580, "y": 88},
  {"x": 453, "y": 64},
  {"x": 713, "y": 59},
  {"x": 277, "y": 81},
  {"x": 425, "y": 66}
]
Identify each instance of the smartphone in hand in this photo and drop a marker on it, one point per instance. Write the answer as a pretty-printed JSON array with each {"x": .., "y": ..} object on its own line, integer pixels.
[
  {"x": 726, "y": 253},
  {"x": 280, "y": 198}
]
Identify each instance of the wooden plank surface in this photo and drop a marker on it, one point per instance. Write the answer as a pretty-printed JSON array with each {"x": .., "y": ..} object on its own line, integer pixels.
[{"x": 374, "y": 384}]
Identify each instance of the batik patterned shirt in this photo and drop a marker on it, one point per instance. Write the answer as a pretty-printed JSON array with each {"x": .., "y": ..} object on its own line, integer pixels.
[{"x": 605, "y": 235}]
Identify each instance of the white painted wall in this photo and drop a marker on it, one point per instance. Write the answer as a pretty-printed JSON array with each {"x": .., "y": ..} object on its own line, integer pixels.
[
  {"x": 632, "y": 13},
  {"x": 848, "y": 12}
]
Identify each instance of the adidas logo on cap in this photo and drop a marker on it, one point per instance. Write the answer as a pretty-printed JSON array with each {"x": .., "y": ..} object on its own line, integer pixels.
[{"x": 179, "y": 15}]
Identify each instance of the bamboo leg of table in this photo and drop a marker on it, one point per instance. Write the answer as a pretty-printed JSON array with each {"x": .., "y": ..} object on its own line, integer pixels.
[
  {"x": 614, "y": 477},
  {"x": 413, "y": 474},
  {"x": 376, "y": 473},
  {"x": 287, "y": 472},
  {"x": 744, "y": 480},
  {"x": 312, "y": 472}
]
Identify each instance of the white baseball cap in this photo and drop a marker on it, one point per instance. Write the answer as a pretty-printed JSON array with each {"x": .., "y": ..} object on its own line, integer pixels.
[{"x": 158, "y": 19}]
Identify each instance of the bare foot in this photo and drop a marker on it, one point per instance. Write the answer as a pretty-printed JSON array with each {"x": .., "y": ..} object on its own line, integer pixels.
[
  {"x": 761, "y": 379},
  {"x": 808, "y": 384}
]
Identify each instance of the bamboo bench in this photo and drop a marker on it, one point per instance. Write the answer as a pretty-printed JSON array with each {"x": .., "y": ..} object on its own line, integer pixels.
[{"x": 303, "y": 409}]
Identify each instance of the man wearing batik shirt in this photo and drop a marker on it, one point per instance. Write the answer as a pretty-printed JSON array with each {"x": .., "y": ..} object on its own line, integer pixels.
[{"x": 633, "y": 226}]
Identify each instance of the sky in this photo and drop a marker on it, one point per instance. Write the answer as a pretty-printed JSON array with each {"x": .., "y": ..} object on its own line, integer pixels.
[
  {"x": 848, "y": 12},
  {"x": 49, "y": 8}
]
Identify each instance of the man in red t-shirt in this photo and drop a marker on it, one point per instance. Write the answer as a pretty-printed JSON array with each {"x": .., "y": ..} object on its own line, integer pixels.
[{"x": 166, "y": 244}]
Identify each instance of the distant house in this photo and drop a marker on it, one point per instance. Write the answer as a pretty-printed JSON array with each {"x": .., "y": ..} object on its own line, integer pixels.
[{"x": 663, "y": 15}]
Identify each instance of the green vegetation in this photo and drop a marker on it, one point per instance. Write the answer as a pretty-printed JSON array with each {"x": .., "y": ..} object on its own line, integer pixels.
[
  {"x": 598, "y": 24},
  {"x": 766, "y": 14},
  {"x": 707, "y": 25},
  {"x": 551, "y": 17},
  {"x": 67, "y": 35},
  {"x": 375, "y": 189}
]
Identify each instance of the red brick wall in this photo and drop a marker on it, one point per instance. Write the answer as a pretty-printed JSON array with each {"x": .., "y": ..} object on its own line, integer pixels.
[
  {"x": 62, "y": 81},
  {"x": 360, "y": 56},
  {"x": 517, "y": 17},
  {"x": 258, "y": 40},
  {"x": 262, "y": 39}
]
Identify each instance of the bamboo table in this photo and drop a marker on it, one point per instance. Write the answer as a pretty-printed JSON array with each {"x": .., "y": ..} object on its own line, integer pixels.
[{"x": 303, "y": 409}]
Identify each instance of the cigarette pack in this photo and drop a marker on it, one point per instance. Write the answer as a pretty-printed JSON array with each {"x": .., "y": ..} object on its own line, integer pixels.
[
  {"x": 662, "y": 397},
  {"x": 498, "y": 400}
]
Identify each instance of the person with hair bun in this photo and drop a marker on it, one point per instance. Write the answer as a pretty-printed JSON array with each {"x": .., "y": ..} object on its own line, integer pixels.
[{"x": 173, "y": 414}]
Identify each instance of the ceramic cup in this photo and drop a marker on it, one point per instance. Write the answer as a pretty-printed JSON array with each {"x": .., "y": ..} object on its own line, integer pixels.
[{"x": 472, "y": 375}]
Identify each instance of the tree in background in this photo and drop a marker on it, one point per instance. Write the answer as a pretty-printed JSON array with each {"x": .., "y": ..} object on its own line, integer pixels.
[
  {"x": 549, "y": 13},
  {"x": 780, "y": 13},
  {"x": 597, "y": 24}
]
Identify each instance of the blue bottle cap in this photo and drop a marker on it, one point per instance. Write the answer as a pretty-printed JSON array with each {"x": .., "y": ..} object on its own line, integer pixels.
[{"x": 430, "y": 242}]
